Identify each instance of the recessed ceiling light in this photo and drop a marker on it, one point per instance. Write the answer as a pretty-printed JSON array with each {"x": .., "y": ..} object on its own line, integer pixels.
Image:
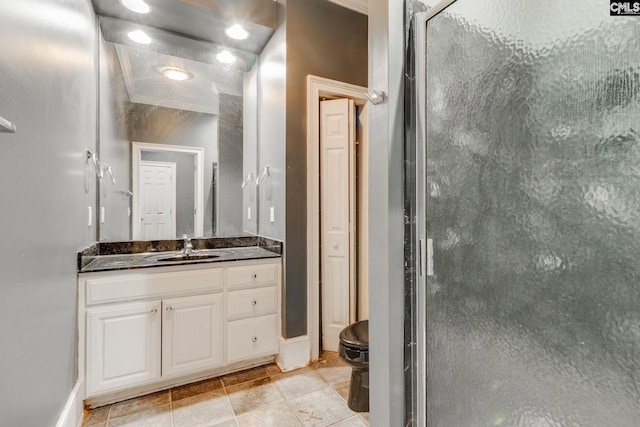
[
  {"x": 237, "y": 32},
  {"x": 226, "y": 57},
  {"x": 139, "y": 36},
  {"x": 175, "y": 73},
  {"x": 138, "y": 6}
]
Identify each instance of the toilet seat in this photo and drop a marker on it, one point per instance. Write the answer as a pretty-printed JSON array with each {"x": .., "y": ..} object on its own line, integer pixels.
[{"x": 356, "y": 336}]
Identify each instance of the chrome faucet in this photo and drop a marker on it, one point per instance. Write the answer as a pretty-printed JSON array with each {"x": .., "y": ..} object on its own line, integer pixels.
[{"x": 188, "y": 246}]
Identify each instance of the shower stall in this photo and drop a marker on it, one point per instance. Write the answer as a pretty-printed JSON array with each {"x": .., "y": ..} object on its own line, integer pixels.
[{"x": 525, "y": 200}]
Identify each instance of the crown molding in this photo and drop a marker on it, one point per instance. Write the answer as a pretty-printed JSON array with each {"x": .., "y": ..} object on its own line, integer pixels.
[{"x": 360, "y": 6}]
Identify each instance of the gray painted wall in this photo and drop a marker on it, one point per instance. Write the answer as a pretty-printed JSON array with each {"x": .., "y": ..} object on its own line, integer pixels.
[
  {"x": 48, "y": 87},
  {"x": 185, "y": 197},
  {"x": 114, "y": 146},
  {"x": 329, "y": 41},
  {"x": 272, "y": 78},
  {"x": 161, "y": 125},
  {"x": 250, "y": 149},
  {"x": 229, "y": 200}
]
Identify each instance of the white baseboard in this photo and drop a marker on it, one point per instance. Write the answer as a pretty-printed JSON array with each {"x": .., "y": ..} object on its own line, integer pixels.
[
  {"x": 73, "y": 410},
  {"x": 294, "y": 353}
]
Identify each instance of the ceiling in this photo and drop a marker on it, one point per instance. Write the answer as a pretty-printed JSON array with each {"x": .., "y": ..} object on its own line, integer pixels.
[
  {"x": 204, "y": 20},
  {"x": 186, "y": 34}
]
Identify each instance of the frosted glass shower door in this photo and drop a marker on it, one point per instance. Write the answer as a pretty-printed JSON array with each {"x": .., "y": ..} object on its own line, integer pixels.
[{"x": 532, "y": 130}]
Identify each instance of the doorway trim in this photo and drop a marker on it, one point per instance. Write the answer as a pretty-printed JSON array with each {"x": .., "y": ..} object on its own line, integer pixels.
[
  {"x": 136, "y": 158},
  {"x": 318, "y": 88}
]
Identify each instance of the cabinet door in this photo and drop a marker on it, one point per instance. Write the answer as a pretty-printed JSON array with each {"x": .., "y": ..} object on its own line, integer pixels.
[
  {"x": 123, "y": 346},
  {"x": 192, "y": 334}
]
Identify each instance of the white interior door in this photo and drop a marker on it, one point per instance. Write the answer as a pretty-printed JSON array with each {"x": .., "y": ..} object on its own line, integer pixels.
[
  {"x": 363, "y": 215},
  {"x": 157, "y": 200},
  {"x": 337, "y": 201}
]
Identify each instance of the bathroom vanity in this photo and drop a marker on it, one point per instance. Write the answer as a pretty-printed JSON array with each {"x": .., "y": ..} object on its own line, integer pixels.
[{"x": 152, "y": 320}]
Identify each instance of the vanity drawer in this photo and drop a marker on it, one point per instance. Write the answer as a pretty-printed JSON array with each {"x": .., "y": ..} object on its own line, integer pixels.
[
  {"x": 145, "y": 285},
  {"x": 252, "y": 302},
  {"x": 253, "y": 337},
  {"x": 251, "y": 275}
]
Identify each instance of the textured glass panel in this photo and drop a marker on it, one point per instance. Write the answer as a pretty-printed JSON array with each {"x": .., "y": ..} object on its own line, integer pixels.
[{"x": 533, "y": 202}]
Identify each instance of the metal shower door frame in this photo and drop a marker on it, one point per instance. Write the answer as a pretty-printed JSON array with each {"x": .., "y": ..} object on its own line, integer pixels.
[{"x": 422, "y": 242}]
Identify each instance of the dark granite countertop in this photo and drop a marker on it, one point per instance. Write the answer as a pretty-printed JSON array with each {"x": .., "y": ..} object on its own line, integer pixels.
[{"x": 133, "y": 255}]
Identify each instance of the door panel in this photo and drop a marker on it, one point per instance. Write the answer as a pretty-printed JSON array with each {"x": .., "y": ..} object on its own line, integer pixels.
[
  {"x": 336, "y": 155},
  {"x": 192, "y": 334},
  {"x": 158, "y": 199},
  {"x": 534, "y": 210},
  {"x": 123, "y": 345}
]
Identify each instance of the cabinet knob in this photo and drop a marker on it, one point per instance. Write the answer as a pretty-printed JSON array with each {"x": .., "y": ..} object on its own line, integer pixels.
[
  {"x": 254, "y": 339},
  {"x": 254, "y": 302},
  {"x": 169, "y": 309},
  {"x": 154, "y": 311},
  {"x": 255, "y": 275},
  {"x": 335, "y": 245}
]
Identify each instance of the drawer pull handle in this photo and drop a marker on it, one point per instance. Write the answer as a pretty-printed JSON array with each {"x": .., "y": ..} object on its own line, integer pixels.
[
  {"x": 169, "y": 309},
  {"x": 255, "y": 275},
  {"x": 254, "y": 339},
  {"x": 254, "y": 302},
  {"x": 154, "y": 311}
]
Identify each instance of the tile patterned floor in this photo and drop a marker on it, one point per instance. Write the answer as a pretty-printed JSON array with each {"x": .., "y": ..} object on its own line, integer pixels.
[{"x": 260, "y": 397}]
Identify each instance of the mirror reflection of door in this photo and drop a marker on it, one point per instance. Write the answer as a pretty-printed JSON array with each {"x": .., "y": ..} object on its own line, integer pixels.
[
  {"x": 176, "y": 194},
  {"x": 157, "y": 200}
]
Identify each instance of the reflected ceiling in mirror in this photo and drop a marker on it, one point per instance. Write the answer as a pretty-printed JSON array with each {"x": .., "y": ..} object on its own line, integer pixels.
[{"x": 205, "y": 20}]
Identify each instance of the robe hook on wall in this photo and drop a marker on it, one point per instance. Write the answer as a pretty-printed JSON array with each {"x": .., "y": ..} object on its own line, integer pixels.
[
  {"x": 96, "y": 163},
  {"x": 248, "y": 179},
  {"x": 107, "y": 168},
  {"x": 266, "y": 171},
  {"x": 6, "y": 126}
]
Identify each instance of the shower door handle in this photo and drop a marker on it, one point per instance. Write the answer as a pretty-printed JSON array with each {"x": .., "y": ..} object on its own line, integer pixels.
[{"x": 426, "y": 257}]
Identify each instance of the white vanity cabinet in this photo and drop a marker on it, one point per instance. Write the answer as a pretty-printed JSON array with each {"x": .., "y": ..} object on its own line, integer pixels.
[
  {"x": 123, "y": 345},
  {"x": 252, "y": 306},
  {"x": 192, "y": 334},
  {"x": 147, "y": 329}
]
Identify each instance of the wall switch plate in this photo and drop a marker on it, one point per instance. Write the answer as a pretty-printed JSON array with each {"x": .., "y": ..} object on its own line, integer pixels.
[
  {"x": 272, "y": 214},
  {"x": 89, "y": 216},
  {"x": 101, "y": 214},
  {"x": 249, "y": 212}
]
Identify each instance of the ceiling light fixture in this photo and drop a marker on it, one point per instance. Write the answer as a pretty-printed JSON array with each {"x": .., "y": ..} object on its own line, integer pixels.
[
  {"x": 139, "y": 36},
  {"x": 175, "y": 73},
  {"x": 226, "y": 57},
  {"x": 137, "y": 6},
  {"x": 237, "y": 32}
]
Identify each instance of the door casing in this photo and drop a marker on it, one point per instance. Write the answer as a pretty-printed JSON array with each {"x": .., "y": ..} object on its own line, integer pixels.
[{"x": 317, "y": 89}]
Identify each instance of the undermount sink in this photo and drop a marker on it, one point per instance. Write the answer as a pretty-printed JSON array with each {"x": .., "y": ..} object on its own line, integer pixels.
[{"x": 185, "y": 257}]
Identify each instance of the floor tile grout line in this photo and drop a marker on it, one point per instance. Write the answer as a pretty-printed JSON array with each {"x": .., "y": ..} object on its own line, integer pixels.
[
  {"x": 272, "y": 373},
  {"x": 226, "y": 395},
  {"x": 106, "y": 424},
  {"x": 295, "y": 412}
]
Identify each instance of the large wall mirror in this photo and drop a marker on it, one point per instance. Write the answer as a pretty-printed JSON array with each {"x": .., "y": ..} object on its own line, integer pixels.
[{"x": 177, "y": 122}]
